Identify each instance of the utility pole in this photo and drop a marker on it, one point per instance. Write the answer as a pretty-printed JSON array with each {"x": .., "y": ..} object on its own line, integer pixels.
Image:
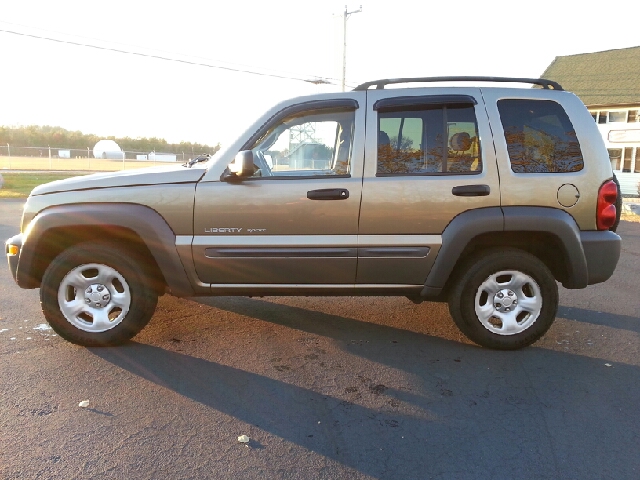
[{"x": 345, "y": 17}]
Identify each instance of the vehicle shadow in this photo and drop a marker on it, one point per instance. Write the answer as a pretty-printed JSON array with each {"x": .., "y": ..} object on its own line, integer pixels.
[
  {"x": 470, "y": 413},
  {"x": 623, "y": 322}
]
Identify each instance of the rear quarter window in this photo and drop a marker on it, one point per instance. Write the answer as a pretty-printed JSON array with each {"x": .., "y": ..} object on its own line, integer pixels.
[{"x": 540, "y": 137}]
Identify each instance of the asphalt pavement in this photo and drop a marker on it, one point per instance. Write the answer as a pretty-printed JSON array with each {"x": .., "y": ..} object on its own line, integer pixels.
[{"x": 331, "y": 388}]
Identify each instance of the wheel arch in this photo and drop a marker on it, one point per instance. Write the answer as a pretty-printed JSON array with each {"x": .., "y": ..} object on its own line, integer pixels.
[
  {"x": 551, "y": 235},
  {"x": 136, "y": 229}
]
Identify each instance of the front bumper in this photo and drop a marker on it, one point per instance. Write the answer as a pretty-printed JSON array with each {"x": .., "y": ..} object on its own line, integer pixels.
[{"x": 13, "y": 256}]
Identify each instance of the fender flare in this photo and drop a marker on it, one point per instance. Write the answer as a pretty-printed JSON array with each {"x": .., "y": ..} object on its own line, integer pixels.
[
  {"x": 148, "y": 224},
  {"x": 468, "y": 225},
  {"x": 559, "y": 224}
]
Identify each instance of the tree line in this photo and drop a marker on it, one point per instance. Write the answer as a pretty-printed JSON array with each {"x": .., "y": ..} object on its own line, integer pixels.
[{"x": 58, "y": 137}]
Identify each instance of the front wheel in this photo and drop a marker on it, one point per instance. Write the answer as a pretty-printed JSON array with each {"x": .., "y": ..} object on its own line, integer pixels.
[
  {"x": 505, "y": 300},
  {"x": 93, "y": 295}
]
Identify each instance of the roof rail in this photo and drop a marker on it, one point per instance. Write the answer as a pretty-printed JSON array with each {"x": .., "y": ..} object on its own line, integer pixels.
[{"x": 379, "y": 84}]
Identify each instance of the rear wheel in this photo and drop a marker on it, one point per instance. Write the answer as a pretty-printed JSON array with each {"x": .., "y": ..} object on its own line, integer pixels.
[
  {"x": 505, "y": 300},
  {"x": 93, "y": 295}
]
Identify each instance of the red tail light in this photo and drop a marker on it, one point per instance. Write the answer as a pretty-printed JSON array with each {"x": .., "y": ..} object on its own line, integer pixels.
[{"x": 606, "y": 210}]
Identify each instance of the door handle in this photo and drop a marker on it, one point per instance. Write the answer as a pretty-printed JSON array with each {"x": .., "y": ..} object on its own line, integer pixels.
[
  {"x": 328, "y": 194},
  {"x": 471, "y": 191}
]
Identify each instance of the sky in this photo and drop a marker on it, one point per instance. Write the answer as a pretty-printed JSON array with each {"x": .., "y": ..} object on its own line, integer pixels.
[{"x": 99, "y": 91}]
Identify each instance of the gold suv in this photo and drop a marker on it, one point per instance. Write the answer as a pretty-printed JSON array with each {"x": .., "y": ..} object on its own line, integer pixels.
[{"x": 481, "y": 196}]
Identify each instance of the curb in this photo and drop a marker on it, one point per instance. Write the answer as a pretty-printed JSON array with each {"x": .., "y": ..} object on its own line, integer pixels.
[{"x": 631, "y": 206}]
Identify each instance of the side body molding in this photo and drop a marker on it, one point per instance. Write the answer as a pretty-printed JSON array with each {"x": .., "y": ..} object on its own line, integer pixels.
[{"x": 148, "y": 224}]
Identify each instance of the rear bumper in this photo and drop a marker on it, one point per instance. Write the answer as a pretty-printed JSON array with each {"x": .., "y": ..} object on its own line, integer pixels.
[
  {"x": 13, "y": 258},
  {"x": 602, "y": 252}
]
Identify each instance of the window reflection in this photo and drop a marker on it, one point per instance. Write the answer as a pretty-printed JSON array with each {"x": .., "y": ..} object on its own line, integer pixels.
[
  {"x": 540, "y": 137},
  {"x": 435, "y": 140},
  {"x": 311, "y": 144}
]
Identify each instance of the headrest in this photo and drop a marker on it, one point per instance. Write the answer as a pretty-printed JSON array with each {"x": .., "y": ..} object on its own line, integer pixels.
[{"x": 460, "y": 142}]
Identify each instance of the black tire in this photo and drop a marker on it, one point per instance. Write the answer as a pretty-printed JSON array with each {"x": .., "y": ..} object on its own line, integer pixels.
[
  {"x": 120, "y": 299},
  {"x": 478, "y": 286}
]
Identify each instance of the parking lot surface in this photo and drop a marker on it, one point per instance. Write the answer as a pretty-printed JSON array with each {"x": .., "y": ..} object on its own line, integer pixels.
[{"x": 324, "y": 388}]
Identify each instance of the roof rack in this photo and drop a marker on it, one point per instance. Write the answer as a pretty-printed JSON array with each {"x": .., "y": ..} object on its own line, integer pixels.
[{"x": 379, "y": 84}]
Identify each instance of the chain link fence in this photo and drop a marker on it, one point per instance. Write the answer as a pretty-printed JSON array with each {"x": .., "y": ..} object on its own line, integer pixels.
[{"x": 83, "y": 159}]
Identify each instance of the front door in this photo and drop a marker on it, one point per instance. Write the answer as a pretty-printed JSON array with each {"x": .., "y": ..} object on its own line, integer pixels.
[{"x": 295, "y": 221}]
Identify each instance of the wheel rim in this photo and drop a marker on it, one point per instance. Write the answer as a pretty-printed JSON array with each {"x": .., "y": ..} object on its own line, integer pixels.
[
  {"x": 94, "y": 297},
  {"x": 508, "y": 302}
]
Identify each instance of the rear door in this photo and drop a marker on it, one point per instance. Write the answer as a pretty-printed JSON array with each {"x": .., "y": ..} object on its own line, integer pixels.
[{"x": 429, "y": 157}]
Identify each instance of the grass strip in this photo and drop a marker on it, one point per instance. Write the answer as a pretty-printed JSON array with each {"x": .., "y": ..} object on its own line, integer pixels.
[{"x": 19, "y": 185}]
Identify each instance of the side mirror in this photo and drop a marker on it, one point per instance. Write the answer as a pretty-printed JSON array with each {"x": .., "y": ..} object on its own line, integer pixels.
[{"x": 242, "y": 166}]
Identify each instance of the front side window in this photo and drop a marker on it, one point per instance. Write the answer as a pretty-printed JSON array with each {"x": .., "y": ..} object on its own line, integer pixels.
[
  {"x": 306, "y": 145},
  {"x": 540, "y": 137},
  {"x": 433, "y": 140}
]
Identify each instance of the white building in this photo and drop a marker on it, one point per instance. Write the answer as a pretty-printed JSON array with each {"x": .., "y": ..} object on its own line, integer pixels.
[
  {"x": 108, "y": 149},
  {"x": 620, "y": 129},
  {"x": 609, "y": 85}
]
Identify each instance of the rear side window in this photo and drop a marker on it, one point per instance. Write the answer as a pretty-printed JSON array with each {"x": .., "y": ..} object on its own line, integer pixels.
[
  {"x": 540, "y": 137},
  {"x": 428, "y": 140}
]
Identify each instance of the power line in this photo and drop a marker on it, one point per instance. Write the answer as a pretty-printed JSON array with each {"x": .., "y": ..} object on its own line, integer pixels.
[
  {"x": 130, "y": 46},
  {"x": 317, "y": 80}
]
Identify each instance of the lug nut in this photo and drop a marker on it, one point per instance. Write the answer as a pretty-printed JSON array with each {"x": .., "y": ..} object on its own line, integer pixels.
[
  {"x": 507, "y": 309},
  {"x": 88, "y": 301},
  {"x": 89, "y": 290},
  {"x": 105, "y": 297},
  {"x": 100, "y": 288},
  {"x": 515, "y": 302},
  {"x": 510, "y": 293},
  {"x": 500, "y": 295},
  {"x": 497, "y": 305}
]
